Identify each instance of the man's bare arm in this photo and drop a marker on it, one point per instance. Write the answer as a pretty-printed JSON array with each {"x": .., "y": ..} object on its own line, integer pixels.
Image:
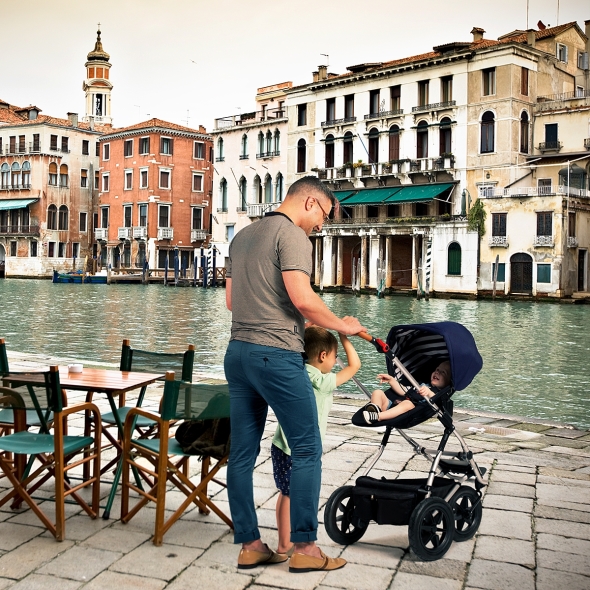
[{"x": 228, "y": 293}]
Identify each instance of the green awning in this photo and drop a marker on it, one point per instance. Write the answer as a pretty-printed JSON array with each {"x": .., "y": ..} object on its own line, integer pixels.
[
  {"x": 418, "y": 192},
  {"x": 341, "y": 195},
  {"x": 6, "y": 204},
  {"x": 372, "y": 196}
]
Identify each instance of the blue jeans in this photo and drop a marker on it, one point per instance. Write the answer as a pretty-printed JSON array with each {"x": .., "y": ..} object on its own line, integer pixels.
[{"x": 258, "y": 377}]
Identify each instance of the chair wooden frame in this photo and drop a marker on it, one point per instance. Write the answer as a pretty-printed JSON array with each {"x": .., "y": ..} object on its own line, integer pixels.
[
  {"x": 53, "y": 452},
  {"x": 158, "y": 452}
]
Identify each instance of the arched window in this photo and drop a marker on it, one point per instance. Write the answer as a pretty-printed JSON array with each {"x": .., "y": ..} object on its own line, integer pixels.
[
  {"x": 277, "y": 142},
  {"x": 260, "y": 144},
  {"x": 301, "y": 155},
  {"x": 394, "y": 142},
  {"x": 257, "y": 188},
  {"x": 15, "y": 168},
  {"x": 445, "y": 136},
  {"x": 52, "y": 217},
  {"x": 220, "y": 150},
  {"x": 244, "y": 193},
  {"x": 5, "y": 171},
  {"x": 374, "y": 145},
  {"x": 223, "y": 195},
  {"x": 53, "y": 174},
  {"x": 422, "y": 140},
  {"x": 454, "y": 259},
  {"x": 63, "y": 218},
  {"x": 268, "y": 189},
  {"x": 268, "y": 143},
  {"x": 279, "y": 188},
  {"x": 348, "y": 153},
  {"x": 524, "y": 132},
  {"x": 244, "y": 152},
  {"x": 26, "y": 178},
  {"x": 329, "y": 151},
  {"x": 63, "y": 175},
  {"x": 487, "y": 132}
]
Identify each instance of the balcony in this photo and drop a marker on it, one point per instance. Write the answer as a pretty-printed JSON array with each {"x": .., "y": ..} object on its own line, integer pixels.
[
  {"x": 550, "y": 146},
  {"x": 543, "y": 241},
  {"x": 165, "y": 233},
  {"x": 335, "y": 122},
  {"x": 244, "y": 156},
  {"x": 435, "y": 106},
  {"x": 15, "y": 187},
  {"x": 101, "y": 234},
  {"x": 259, "y": 209},
  {"x": 572, "y": 242},
  {"x": 265, "y": 155},
  {"x": 140, "y": 232},
  {"x": 19, "y": 230},
  {"x": 488, "y": 192},
  {"x": 198, "y": 235},
  {"x": 125, "y": 233},
  {"x": 220, "y": 159},
  {"x": 250, "y": 118},
  {"x": 498, "y": 242},
  {"x": 384, "y": 114}
]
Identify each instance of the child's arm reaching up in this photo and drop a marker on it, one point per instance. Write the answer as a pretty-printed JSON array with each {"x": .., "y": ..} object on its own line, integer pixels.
[
  {"x": 392, "y": 382},
  {"x": 352, "y": 359}
]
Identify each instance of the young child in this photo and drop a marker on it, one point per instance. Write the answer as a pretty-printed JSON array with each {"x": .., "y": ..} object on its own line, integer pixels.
[
  {"x": 387, "y": 405},
  {"x": 321, "y": 347}
]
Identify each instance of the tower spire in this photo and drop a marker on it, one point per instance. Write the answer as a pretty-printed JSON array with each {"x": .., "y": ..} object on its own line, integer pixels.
[{"x": 97, "y": 85}]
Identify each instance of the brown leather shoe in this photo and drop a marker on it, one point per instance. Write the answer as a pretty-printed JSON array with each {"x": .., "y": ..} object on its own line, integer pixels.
[
  {"x": 249, "y": 559},
  {"x": 300, "y": 562}
]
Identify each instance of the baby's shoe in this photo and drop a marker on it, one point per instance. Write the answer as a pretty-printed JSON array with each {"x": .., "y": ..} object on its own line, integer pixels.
[{"x": 371, "y": 417}]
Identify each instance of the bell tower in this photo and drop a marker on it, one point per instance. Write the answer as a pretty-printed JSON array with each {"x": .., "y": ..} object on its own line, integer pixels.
[{"x": 97, "y": 85}]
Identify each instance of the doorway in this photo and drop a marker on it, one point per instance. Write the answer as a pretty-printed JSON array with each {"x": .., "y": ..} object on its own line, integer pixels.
[
  {"x": 2, "y": 262},
  {"x": 582, "y": 266},
  {"x": 521, "y": 274}
]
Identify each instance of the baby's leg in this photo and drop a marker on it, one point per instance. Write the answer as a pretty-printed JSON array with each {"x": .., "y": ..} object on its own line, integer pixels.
[
  {"x": 401, "y": 408},
  {"x": 379, "y": 398}
]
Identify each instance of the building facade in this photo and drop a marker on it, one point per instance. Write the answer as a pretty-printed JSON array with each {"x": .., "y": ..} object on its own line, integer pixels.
[{"x": 155, "y": 189}]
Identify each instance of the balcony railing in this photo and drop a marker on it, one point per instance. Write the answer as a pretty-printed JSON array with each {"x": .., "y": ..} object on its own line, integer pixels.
[
  {"x": 334, "y": 122},
  {"x": 165, "y": 233},
  {"x": 101, "y": 234},
  {"x": 498, "y": 241},
  {"x": 572, "y": 242},
  {"x": 15, "y": 150},
  {"x": 125, "y": 233},
  {"x": 140, "y": 232},
  {"x": 563, "y": 96},
  {"x": 249, "y": 118},
  {"x": 244, "y": 156},
  {"x": 435, "y": 106},
  {"x": 19, "y": 230},
  {"x": 383, "y": 114},
  {"x": 270, "y": 154},
  {"x": 15, "y": 187},
  {"x": 220, "y": 159},
  {"x": 259, "y": 209},
  {"x": 198, "y": 235},
  {"x": 543, "y": 241},
  {"x": 550, "y": 146},
  {"x": 488, "y": 192}
]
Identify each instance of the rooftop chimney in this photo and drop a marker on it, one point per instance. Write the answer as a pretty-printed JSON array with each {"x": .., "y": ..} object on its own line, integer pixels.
[
  {"x": 315, "y": 76},
  {"x": 531, "y": 38},
  {"x": 477, "y": 34},
  {"x": 91, "y": 123},
  {"x": 73, "y": 119},
  {"x": 587, "y": 31},
  {"x": 322, "y": 73}
]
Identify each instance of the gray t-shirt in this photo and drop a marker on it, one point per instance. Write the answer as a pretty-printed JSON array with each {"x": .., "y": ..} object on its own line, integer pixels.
[{"x": 262, "y": 312}]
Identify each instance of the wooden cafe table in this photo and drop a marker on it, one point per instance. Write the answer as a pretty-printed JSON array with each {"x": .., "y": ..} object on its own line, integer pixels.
[{"x": 112, "y": 383}]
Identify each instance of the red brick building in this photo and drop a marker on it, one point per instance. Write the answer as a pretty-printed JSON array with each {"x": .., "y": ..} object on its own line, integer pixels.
[{"x": 155, "y": 184}]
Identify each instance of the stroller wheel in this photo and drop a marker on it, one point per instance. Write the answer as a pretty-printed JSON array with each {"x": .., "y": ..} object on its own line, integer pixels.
[
  {"x": 338, "y": 516},
  {"x": 431, "y": 529},
  {"x": 466, "y": 505}
]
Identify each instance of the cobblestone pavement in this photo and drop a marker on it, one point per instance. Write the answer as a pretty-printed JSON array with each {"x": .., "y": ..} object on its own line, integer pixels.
[{"x": 535, "y": 531}]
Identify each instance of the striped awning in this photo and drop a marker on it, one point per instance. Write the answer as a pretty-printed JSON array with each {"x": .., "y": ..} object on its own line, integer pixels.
[
  {"x": 397, "y": 194},
  {"x": 6, "y": 204}
]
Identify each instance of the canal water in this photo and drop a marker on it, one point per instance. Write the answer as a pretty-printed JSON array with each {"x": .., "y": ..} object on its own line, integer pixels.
[{"x": 536, "y": 356}]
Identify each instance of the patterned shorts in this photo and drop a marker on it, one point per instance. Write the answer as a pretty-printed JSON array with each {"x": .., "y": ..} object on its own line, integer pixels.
[{"x": 281, "y": 469}]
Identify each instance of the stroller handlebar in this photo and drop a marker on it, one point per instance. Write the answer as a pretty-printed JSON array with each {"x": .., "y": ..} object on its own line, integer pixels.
[{"x": 376, "y": 342}]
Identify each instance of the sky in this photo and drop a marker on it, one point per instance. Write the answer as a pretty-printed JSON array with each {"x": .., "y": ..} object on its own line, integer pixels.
[{"x": 191, "y": 61}]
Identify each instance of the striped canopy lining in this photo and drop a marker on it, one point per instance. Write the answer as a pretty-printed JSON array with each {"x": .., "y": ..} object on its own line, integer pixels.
[{"x": 417, "y": 351}]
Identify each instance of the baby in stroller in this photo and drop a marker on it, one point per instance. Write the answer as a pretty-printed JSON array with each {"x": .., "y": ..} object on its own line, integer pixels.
[{"x": 385, "y": 405}]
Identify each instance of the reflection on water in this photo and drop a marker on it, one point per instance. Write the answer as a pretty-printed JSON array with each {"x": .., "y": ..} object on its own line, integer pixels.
[{"x": 535, "y": 355}]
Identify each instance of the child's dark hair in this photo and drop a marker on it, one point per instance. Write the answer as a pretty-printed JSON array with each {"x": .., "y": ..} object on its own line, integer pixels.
[{"x": 317, "y": 340}]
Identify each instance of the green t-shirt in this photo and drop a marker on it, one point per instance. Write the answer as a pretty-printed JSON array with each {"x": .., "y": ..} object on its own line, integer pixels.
[{"x": 324, "y": 385}]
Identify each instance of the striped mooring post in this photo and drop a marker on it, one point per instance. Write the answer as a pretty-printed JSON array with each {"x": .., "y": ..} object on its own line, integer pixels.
[{"x": 427, "y": 268}]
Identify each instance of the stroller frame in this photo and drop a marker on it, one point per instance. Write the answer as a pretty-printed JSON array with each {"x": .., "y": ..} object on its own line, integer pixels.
[{"x": 438, "y": 508}]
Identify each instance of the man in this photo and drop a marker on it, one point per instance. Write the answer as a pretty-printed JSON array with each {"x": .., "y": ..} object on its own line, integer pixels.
[{"x": 269, "y": 293}]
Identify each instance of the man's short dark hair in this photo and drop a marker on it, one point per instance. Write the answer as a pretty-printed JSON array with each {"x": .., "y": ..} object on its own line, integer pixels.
[
  {"x": 317, "y": 340},
  {"x": 311, "y": 183}
]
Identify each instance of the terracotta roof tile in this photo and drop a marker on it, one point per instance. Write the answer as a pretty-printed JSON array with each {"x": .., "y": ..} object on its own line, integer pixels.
[{"x": 155, "y": 122}]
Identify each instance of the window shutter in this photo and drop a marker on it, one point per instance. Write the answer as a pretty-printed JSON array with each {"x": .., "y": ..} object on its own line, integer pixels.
[{"x": 171, "y": 146}]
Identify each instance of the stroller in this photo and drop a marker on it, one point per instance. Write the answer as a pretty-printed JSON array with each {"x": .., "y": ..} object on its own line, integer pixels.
[{"x": 439, "y": 508}]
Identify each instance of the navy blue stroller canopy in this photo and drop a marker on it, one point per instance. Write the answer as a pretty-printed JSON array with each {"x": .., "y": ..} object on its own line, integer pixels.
[{"x": 422, "y": 347}]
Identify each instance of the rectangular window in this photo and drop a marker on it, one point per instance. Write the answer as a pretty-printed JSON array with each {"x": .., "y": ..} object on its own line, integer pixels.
[
  {"x": 499, "y": 224},
  {"x": 104, "y": 217},
  {"x": 197, "y": 182},
  {"x": 12, "y": 145},
  {"x": 144, "y": 145},
  {"x": 571, "y": 224},
  {"x": 33, "y": 248},
  {"x": 561, "y": 52},
  {"x": 83, "y": 221},
  {"x": 544, "y": 186},
  {"x": 75, "y": 249},
  {"x": 544, "y": 223},
  {"x": 65, "y": 144},
  {"x": 395, "y": 93},
  {"x": 543, "y": 273},
  {"x": 95, "y": 220},
  {"x": 374, "y": 102},
  {"x": 446, "y": 89},
  {"x": 488, "y": 81},
  {"x": 423, "y": 93},
  {"x": 105, "y": 183},
  {"x": 85, "y": 147},
  {"x": 127, "y": 211},
  {"x": 524, "y": 81},
  {"x": 163, "y": 215},
  {"x": 501, "y": 278},
  {"x": 128, "y": 148},
  {"x": 166, "y": 146},
  {"x": 106, "y": 151},
  {"x": 96, "y": 180},
  {"x": 61, "y": 250},
  {"x": 13, "y": 248},
  {"x": 331, "y": 109},
  {"x": 164, "y": 178},
  {"x": 36, "y": 143},
  {"x": 21, "y": 144},
  {"x": 128, "y": 180},
  {"x": 143, "y": 210},
  {"x": 349, "y": 106},
  {"x": 84, "y": 178},
  {"x": 51, "y": 249},
  {"x": 551, "y": 136},
  {"x": 143, "y": 178},
  {"x": 53, "y": 142},
  {"x": 97, "y": 149},
  {"x": 583, "y": 60},
  {"x": 301, "y": 115},
  {"x": 199, "y": 152},
  {"x": 197, "y": 221}
]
